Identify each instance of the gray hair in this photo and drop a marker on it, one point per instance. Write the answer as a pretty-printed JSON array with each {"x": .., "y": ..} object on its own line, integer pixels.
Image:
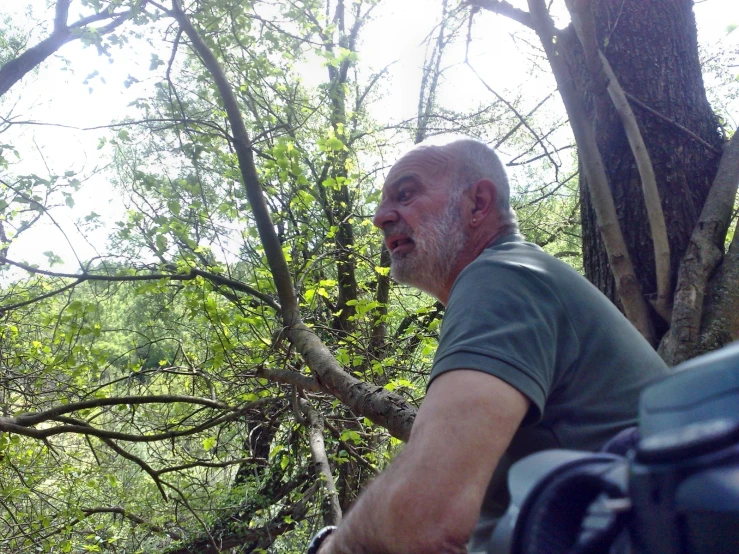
[{"x": 474, "y": 161}]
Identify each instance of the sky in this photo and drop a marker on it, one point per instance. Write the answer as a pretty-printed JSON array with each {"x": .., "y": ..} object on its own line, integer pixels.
[{"x": 64, "y": 95}]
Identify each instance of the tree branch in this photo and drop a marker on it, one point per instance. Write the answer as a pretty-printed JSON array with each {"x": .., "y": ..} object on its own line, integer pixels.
[
  {"x": 116, "y": 510},
  {"x": 379, "y": 405},
  {"x": 290, "y": 378},
  {"x": 17, "y": 68},
  {"x": 701, "y": 258},
  {"x": 600, "y": 70},
  {"x": 211, "y": 464},
  {"x": 132, "y": 517},
  {"x": 628, "y": 288},
  {"x": 504, "y": 8},
  {"x": 194, "y": 272},
  {"x": 28, "y": 420},
  {"x": 11, "y": 425},
  {"x": 332, "y": 515}
]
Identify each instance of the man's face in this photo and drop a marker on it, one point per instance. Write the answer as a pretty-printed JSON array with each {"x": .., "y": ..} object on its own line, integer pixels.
[{"x": 421, "y": 221}]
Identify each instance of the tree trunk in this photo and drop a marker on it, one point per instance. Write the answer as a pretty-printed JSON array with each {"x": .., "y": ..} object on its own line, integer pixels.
[{"x": 652, "y": 48}]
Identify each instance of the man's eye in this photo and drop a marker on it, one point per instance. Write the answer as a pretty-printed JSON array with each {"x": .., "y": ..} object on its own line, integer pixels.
[{"x": 404, "y": 195}]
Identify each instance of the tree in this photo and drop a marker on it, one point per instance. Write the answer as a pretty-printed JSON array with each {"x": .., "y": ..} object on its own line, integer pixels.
[
  {"x": 630, "y": 78},
  {"x": 308, "y": 174},
  {"x": 225, "y": 375}
]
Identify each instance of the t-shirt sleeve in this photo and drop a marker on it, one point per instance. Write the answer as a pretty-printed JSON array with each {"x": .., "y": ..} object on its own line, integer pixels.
[{"x": 504, "y": 320}]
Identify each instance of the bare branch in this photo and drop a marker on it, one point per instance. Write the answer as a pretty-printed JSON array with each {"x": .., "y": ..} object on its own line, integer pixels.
[
  {"x": 11, "y": 425},
  {"x": 28, "y": 420},
  {"x": 504, "y": 8},
  {"x": 116, "y": 510},
  {"x": 191, "y": 465},
  {"x": 132, "y": 517},
  {"x": 333, "y": 513},
  {"x": 290, "y": 378},
  {"x": 17, "y": 68},
  {"x": 135, "y": 459},
  {"x": 79, "y": 278}
]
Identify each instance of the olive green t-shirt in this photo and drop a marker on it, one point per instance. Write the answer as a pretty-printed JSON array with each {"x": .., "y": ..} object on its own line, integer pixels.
[{"x": 531, "y": 320}]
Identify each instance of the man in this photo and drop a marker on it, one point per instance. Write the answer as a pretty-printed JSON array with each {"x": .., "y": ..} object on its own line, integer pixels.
[{"x": 531, "y": 356}]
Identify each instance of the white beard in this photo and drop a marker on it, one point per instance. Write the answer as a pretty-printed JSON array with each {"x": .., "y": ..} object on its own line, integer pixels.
[{"x": 438, "y": 241}]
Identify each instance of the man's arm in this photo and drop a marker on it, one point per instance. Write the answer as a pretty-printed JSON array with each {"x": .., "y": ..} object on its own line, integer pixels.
[{"x": 429, "y": 498}]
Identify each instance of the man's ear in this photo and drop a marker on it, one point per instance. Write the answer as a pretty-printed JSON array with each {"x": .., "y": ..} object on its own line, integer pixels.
[{"x": 484, "y": 198}]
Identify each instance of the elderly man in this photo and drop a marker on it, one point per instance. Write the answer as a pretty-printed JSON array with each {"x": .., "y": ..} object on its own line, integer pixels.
[{"x": 531, "y": 356}]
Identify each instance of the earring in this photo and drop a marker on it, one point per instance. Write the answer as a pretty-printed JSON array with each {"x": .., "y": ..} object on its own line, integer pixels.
[{"x": 474, "y": 220}]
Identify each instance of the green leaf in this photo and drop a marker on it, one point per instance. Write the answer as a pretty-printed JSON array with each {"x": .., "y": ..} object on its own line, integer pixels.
[
  {"x": 161, "y": 243},
  {"x": 174, "y": 207},
  {"x": 209, "y": 443},
  {"x": 53, "y": 258},
  {"x": 335, "y": 144}
]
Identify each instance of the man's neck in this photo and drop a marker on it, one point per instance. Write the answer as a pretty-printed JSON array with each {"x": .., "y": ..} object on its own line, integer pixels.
[{"x": 470, "y": 254}]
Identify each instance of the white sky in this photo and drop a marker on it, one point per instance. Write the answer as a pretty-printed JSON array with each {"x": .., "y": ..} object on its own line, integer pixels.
[{"x": 60, "y": 96}]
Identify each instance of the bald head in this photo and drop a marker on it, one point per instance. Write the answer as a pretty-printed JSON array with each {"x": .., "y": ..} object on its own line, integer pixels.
[
  {"x": 460, "y": 162},
  {"x": 442, "y": 205}
]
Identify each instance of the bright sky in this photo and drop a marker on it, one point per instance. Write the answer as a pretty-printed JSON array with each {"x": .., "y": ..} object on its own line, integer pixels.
[{"x": 62, "y": 96}]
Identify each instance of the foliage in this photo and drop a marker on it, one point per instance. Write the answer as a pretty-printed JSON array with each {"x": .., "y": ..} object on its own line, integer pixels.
[{"x": 153, "y": 399}]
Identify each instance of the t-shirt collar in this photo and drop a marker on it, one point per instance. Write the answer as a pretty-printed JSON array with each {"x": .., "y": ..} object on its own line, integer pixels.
[{"x": 513, "y": 237}]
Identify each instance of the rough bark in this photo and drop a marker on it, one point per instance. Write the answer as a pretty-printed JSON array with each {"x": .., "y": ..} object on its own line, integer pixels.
[
  {"x": 626, "y": 284},
  {"x": 721, "y": 322},
  {"x": 652, "y": 48},
  {"x": 605, "y": 80},
  {"x": 704, "y": 254}
]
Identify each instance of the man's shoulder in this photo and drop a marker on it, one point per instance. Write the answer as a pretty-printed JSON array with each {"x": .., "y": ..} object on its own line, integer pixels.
[{"x": 516, "y": 261}]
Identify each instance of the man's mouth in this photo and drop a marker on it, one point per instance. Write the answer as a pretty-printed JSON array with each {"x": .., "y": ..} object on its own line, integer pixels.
[{"x": 399, "y": 243}]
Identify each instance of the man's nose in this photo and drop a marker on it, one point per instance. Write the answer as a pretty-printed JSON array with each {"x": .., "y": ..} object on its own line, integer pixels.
[{"x": 384, "y": 215}]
